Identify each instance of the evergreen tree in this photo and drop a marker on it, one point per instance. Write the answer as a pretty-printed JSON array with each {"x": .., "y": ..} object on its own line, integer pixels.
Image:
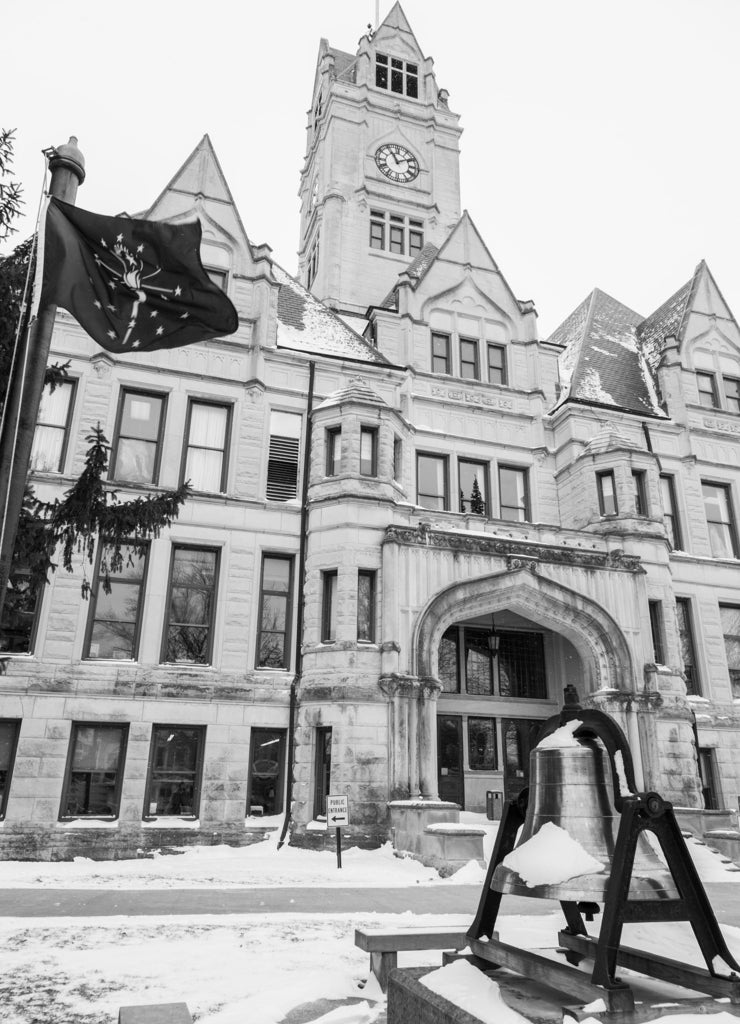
[{"x": 477, "y": 504}]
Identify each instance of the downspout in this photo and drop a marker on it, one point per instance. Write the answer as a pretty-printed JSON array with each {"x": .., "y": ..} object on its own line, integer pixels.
[
  {"x": 301, "y": 605},
  {"x": 649, "y": 443}
]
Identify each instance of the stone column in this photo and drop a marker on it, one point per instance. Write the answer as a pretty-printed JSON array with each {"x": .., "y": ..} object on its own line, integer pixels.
[
  {"x": 413, "y": 734},
  {"x": 429, "y": 691}
]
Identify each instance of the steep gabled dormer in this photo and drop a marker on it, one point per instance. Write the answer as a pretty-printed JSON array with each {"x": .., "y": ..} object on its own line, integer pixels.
[{"x": 381, "y": 174}]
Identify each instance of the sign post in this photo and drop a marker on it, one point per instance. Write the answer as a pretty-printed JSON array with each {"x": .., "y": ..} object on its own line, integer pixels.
[{"x": 337, "y": 814}]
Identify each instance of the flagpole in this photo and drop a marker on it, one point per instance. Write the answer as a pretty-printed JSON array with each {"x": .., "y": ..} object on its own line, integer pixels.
[{"x": 25, "y": 388}]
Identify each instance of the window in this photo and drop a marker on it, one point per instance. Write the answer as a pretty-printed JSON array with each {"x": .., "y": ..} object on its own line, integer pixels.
[
  {"x": 441, "y": 353},
  {"x": 312, "y": 264},
  {"x": 448, "y": 666},
  {"x": 207, "y": 441},
  {"x": 720, "y": 520},
  {"x": 266, "y": 772},
  {"x": 670, "y": 512},
  {"x": 175, "y": 770},
  {"x": 317, "y": 111},
  {"x": 521, "y": 665},
  {"x": 707, "y": 388},
  {"x": 218, "y": 277},
  {"x": 9, "y": 730},
  {"x": 473, "y": 487},
  {"x": 732, "y": 394},
  {"x": 431, "y": 475},
  {"x": 397, "y": 459},
  {"x": 92, "y": 784},
  {"x": 514, "y": 494},
  {"x": 115, "y": 617},
  {"x": 708, "y": 775},
  {"x": 607, "y": 493},
  {"x": 730, "y": 618},
  {"x": 477, "y": 661},
  {"x": 333, "y": 451},
  {"x": 282, "y": 460},
  {"x": 518, "y": 671},
  {"x": 655, "y": 609},
  {"x": 275, "y": 611},
  {"x": 482, "y": 744},
  {"x": 366, "y": 605},
  {"x": 496, "y": 364},
  {"x": 368, "y": 451},
  {"x": 393, "y": 232},
  {"x": 640, "y": 492},
  {"x": 52, "y": 428},
  {"x": 329, "y": 606},
  {"x": 138, "y": 437},
  {"x": 20, "y": 614},
  {"x": 469, "y": 359},
  {"x": 191, "y": 606},
  {"x": 686, "y": 642},
  {"x": 323, "y": 770},
  {"x": 400, "y": 76}
]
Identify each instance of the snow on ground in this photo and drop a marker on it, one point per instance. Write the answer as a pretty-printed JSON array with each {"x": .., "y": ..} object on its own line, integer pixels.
[{"x": 263, "y": 865}]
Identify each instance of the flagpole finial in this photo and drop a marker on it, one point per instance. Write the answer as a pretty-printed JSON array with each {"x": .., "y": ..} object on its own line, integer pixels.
[{"x": 68, "y": 157}]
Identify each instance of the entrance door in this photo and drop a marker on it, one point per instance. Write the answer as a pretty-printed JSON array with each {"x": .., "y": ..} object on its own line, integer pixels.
[
  {"x": 266, "y": 772},
  {"x": 450, "y": 759},
  {"x": 519, "y": 736}
]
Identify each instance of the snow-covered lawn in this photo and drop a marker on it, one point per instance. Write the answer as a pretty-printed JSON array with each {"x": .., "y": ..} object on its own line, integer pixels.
[{"x": 243, "y": 969}]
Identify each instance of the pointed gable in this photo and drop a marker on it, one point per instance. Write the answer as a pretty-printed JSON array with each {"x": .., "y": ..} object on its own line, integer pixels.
[
  {"x": 602, "y": 363},
  {"x": 396, "y": 32},
  {"x": 199, "y": 189},
  {"x": 665, "y": 322}
]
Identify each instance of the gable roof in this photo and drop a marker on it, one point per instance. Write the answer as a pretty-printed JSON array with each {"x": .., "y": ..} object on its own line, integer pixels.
[
  {"x": 306, "y": 325},
  {"x": 602, "y": 363},
  {"x": 416, "y": 270}
]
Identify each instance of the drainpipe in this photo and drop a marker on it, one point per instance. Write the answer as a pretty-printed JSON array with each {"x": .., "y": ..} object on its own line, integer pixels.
[
  {"x": 649, "y": 443},
  {"x": 301, "y": 604}
]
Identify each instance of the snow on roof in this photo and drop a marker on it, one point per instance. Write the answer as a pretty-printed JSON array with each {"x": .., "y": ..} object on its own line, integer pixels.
[
  {"x": 306, "y": 325},
  {"x": 664, "y": 322},
  {"x": 356, "y": 391},
  {"x": 602, "y": 362},
  {"x": 416, "y": 270}
]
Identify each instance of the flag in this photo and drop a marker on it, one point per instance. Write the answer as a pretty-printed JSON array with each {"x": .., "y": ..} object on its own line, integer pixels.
[{"x": 133, "y": 285}]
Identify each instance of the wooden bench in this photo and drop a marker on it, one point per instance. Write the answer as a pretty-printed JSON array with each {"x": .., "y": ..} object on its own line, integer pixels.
[{"x": 385, "y": 945}]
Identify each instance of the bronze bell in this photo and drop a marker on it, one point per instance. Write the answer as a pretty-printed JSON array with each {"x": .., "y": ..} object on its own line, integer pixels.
[{"x": 572, "y": 787}]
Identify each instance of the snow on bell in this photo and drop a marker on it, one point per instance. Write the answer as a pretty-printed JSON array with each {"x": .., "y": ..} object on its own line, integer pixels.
[{"x": 566, "y": 847}]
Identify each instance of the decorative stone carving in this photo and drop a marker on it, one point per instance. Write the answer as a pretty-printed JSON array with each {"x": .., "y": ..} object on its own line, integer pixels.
[
  {"x": 513, "y": 562},
  {"x": 527, "y": 550}
]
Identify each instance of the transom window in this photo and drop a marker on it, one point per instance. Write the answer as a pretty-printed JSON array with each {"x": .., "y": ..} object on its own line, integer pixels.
[
  {"x": 466, "y": 664},
  {"x": 138, "y": 438},
  {"x": 395, "y": 233},
  {"x": 399, "y": 76}
]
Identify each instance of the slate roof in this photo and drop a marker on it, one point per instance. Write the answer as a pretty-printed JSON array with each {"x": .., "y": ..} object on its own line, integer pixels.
[
  {"x": 602, "y": 363},
  {"x": 345, "y": 64},
  {"x": 416, "y": 270},
  {"x": 667, "y": 320},
  {"x": 356, "y": 391},
  {"x": 306, "y": 325}
]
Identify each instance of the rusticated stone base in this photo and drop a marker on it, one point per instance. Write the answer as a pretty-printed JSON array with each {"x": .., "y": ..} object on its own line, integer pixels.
[
  {"x": 58, "y": 844},
  {"x": 367, "y": 838}
]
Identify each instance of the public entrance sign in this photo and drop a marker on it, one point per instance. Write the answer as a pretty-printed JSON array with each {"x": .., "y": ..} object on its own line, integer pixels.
[{"x": 337, "y": 811}]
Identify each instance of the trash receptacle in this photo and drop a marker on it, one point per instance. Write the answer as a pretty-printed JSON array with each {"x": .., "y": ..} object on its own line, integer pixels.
[{"x": 494, "y": 804}]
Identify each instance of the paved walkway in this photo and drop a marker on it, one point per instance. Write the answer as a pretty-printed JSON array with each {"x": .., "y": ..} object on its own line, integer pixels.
[{"x": 431, "y": 899}]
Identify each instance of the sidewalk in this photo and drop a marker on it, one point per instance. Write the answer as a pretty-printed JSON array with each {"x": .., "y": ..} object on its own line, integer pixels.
[{"x": 418, "y": 899}]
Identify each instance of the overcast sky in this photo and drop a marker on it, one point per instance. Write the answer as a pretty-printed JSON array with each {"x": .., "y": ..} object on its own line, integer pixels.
[{"x": 600, "y": 143}]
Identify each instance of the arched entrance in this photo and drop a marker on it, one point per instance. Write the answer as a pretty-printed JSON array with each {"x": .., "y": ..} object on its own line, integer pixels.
[{"x": 502, "y": 648}]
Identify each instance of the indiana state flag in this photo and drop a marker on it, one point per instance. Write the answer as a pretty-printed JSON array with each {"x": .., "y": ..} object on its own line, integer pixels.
[{"x": 133, "y": 285}]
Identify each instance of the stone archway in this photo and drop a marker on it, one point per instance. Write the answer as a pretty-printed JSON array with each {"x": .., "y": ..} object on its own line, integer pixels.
[{"x": 589, "y": 627}]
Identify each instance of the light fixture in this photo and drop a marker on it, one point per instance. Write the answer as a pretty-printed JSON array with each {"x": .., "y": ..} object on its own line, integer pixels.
[{"x": 494, "y": 639}]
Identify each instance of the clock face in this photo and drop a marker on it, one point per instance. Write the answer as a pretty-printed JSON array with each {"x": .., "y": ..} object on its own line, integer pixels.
[{"x": 396, "y": 162}]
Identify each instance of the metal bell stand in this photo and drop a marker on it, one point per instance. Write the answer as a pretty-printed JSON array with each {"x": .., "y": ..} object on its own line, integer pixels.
[{"x": 640, "y": 812}]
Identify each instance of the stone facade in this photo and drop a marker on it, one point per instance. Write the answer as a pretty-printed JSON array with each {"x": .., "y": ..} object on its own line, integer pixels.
[{"x": 361, "y": 403}]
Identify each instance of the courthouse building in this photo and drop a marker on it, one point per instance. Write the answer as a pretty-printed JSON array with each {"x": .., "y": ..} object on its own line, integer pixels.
[{"x": 414, "y": 520}]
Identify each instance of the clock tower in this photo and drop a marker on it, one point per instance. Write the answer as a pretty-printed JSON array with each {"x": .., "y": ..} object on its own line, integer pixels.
[{"x": 381, "y": 175}]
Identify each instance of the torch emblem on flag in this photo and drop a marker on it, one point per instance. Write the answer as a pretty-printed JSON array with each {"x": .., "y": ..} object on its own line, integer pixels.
[{"x": 134, "y": 285}]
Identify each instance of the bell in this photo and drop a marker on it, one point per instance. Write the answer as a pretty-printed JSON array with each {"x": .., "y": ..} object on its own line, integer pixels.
[{"x": 572, "y": 787}]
